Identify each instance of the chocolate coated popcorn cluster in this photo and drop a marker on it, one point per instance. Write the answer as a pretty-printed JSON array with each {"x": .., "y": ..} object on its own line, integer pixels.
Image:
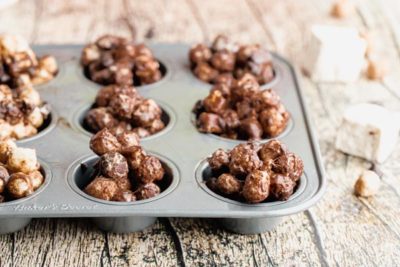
[
  {"x": 241, "y": 110},
  {"x": 225, "y": 59},
  {"x": 255, "y": 173},
  {"x": 124, "y": 172},
  {"x": 116, "y": 60}
]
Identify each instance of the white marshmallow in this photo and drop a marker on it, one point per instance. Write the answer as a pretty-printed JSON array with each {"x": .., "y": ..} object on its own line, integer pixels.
[
  {"x": 368, "y": 131},
  {"x": 335, "y": 54}
]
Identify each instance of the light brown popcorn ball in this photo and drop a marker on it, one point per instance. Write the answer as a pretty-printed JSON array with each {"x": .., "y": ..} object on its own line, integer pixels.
[
  {"x": 49, "y": 63},
  {"x": 228, "y": 184},
  {"x": 256, "y": 186},
  {"x": 19, "y": 185},
  {"x": 22, "y": 160},
  {"x": 6, "y": 147},
  {"x": 244, "y": 159},
  {"x": 147, "y": 191},
  {"x": 103, "y": 142},
  {"x": 36, "y": 117},
  {"x": 36, "y": 178},
  {"x": 102, "y": 188},
  {"x": 368, "y": 184}
]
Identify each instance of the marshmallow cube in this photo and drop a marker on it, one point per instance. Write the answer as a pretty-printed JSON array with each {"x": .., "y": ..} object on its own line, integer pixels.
[
  {"x": 335, "y": 54},
  {"x": 368, "y": 131}
]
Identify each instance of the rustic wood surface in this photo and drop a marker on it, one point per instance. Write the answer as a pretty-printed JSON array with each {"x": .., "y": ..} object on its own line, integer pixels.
[{"x": 341, "y": 230}]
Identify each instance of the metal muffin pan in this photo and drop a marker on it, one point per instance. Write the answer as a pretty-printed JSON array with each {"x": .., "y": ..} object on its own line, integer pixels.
[{"x": 182, "y": 149}]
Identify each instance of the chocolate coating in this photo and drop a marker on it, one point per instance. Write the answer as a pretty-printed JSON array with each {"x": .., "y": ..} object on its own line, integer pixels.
[
  {"x": 229, "y": 184},
  {"x": 102, "y": 188},
  {"x": 135, "y": 156},
  {"x": 271, "y": 150},
  {"x": 128, "y": 139},
  {"x": 256, "y": 186},
  {"x": 146, "y": 112},
  {"x": 274, "y": 120},
  {"x": 150, "y": 170},
  {"x": 223, "y": 60},
  {"x": 122, "y": 106},
  {"x": 113, "y": 165},
  {"x": 205, "y": 72},
  {"x": 199, "y": 53},
  {"x": 215, "y": 102},
  {"x": 115, "y": 60},
  {"x": 251, "y": 129},
  {"x": 209, "y": 123},
  {"x": 147, "y": 191},
  {"x": 103, "y": 142},
  {"x": 244, "y": 159},
  {"x": 99, "y": 118},
  {"x": 124, "y": 196},
  {"x": 281, "y": 186},
  {"x": 219, "y": 159},
  {"x": 289, "y": 164}
]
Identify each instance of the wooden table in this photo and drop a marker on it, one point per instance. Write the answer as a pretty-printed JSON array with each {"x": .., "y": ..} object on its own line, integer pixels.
[{"x": 341, "y": 230}]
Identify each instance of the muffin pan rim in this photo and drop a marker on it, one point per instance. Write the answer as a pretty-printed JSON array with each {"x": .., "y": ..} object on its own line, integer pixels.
[{"x": 188, "y": 186}]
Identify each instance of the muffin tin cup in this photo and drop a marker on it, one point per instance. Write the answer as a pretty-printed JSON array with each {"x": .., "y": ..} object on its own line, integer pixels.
[
  {"x": 124, "y": 224},
  {"x": 12, "y": 224},
  {"x": 250, "y": 226},
  {"x": 180, "y": 146}
]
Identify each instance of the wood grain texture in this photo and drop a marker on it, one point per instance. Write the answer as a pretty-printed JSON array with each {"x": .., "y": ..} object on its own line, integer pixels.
[{"x": 341, "y": 230}]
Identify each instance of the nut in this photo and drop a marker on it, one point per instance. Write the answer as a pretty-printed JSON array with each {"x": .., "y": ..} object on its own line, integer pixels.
[
  {"x": 368, "y": 184},
  {"x": 376, "y": 70},
  {"x": 342, "y": 9}
]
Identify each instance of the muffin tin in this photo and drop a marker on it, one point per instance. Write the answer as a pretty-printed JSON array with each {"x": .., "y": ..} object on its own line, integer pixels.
[{"x": 64, "y": 144}]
